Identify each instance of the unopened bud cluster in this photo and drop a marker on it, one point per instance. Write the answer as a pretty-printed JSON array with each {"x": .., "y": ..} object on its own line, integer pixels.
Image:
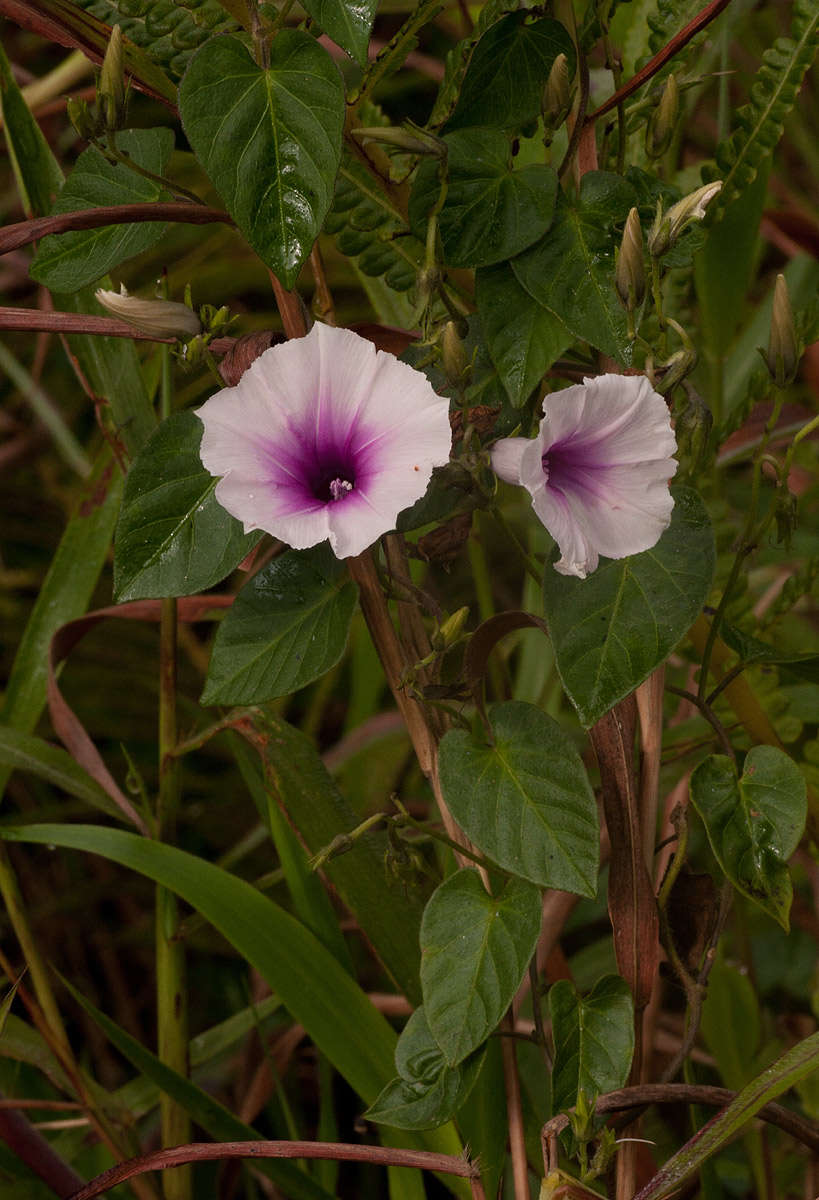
[
  {"x": 108, "y": 114},
  {"x": 668, "y": 227}
]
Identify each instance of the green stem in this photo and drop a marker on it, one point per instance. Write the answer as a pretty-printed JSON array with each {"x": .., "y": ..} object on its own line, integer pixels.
[
  {"x": 168, "y": 185},
  {"x": 171, "y": 998},
  {"x": 529, "y": 563}
]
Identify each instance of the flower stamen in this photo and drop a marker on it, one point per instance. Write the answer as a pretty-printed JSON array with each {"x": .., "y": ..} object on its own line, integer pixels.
[{"x": 339, "y": 488}]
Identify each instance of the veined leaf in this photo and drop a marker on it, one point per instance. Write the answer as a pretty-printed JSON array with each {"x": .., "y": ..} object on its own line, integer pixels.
[
  {"x": 593, "y": 1037},
  {"x": 270, "y": 140},
  {"x": 348, "y": 22},
  {"x": 173, "y": 537},
  {"x": 475, "y": 949},
  {"x": 65, "y": 262}
]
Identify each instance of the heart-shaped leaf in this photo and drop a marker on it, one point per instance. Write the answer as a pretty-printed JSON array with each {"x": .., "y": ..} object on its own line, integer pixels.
[
  {"x": 525, "y": 800},
  {"x": 348, "y": 22},
  {"x": 522, "y": 336},
  {"x": 611, "y": 630},
  {"x": 427, "y": 1092},
  {"x": 173, "y": 537},
  {"x": 593, "y": 1037},
  {"x": 65, "y": 262},
  {"x": 474, "y": 951},
  {"x": 754, "y": 822},
  {"x": 571, "y": 270},
  {"x": 491, "y": 212},
  {"x": 270, "y": 140},
  {"x": 503, "y": 87},
  {"x": 288, "y": 626}
]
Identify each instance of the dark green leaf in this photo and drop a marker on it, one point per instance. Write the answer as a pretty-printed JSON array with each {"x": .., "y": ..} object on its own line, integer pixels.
[
  {"x": 173, "y": 537},
  {"x": 288, "y": 626},
  {"x": 65, "y": 262},
  {"x": 36, "y": 170},
  {"x": 754, "y": 822},
  {"x": 475, "y": 949},
  {"x": 23, "y": 752},
  {"x": 269, "y": 140},
  {"x": 491, "y": 212},
  {"x": 525, "y": 800},
  {"x": 571, "y": 270},
  {"x": 593, "y": 1037},
  {"x": 348, "y": 22},
  {"x": 752, "y": 651},
  {"x": 523, "y": 337},
  {"x": 731, "y": 1023},
  {"x": 388, "y": 912},
  {"x": 427, "y": 1091},
  {"x": 507, "y": 73},
  {"x": 213, "y": 1117},
  {"x": 64, "y": 594},
  {"x": 794, "y": 1066},
  {"x": 611, "y": 630}
]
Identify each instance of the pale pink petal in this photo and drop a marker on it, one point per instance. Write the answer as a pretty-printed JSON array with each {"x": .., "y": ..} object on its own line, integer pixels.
[
  {"x": 324, "y": 437},
  {"x": 599, "y": 468},
  {"x": 506, "y": 456}
]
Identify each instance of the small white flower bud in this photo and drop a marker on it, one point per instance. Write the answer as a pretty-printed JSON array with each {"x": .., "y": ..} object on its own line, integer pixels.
[
  {"x": 783, "y": 348},
  {"x": 629, "y": 273},
  {"x": 161, "y": 318},
  {"x": 669, "y": 226}
]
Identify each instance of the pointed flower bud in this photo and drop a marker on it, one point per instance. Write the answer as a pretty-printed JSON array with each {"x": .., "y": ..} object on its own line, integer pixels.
[
  {"x": 453, "y": 355},
  {"x": 629, "y": 274},
  {"x": 668, "y": 227},
  {"x": 451, "y": 630},
  {"x": 783, "y": 348},
  {"x": 82, "y": 118},
  {"x": 558, "y": 97},
  {"x": 660, "y": 128},
  {"x": 160, "y": 318},
  {"x": 111, "y": 86}
]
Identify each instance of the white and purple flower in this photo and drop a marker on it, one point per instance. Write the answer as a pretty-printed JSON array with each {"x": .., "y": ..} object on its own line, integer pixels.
[
  {"x": 598, "y": 469},
  {"x": 324, "y": 437}
]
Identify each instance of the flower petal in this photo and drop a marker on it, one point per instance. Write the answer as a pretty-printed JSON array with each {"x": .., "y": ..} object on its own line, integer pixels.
[
  {"x": 506, "y": 456},
  {"x": 311, "y": 413}
]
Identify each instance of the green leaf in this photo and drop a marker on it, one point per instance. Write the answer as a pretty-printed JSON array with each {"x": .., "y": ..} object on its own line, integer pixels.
[
  {"x": 504, "y": 82},
  {"x": 269, "y": 140},
  {"x": 213, "y": 1117},
  {"x": 65, "y": 262},
  {"x": 22, "y": 752},
  {"x": 731, "y": 1023},
  {"x": 593, "y": 1037},
  {"x": 525, "y": 800},
  {"x": 173, "y": 537},
  {"x": 475, "y": 949},
  {"x": 491, "y": 212},
  {"x": 752, "y": 651},
  {"x": 64, "y": 593},
  {"x": 773, "y": 93},
  {"x": 754, "y": 822},
  {"x": 427, "y": 1092},
  {"x": 785, "y": 1073},
  {"x": 611, "y": 630},
  {"x": 36, "y": 170},
  {"x": 287, "y": 626},
  {"x": 571, "y": 270},
  {"x": 522, "y": 336},
  {"x": 388, "y": 912},
  {"x": 348, "y": 22},
  {"x": 337, "y": 1015}
]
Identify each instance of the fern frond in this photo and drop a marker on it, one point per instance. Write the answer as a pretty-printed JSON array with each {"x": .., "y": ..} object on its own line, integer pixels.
[
  {"x": 773, "y": 94},
  {"x": 671, "y": 16},
  {"x": 169, "y": 31}
]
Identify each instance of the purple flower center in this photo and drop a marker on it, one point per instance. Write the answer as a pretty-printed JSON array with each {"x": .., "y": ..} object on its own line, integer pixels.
[
  {"x": 574, "y": 464},
  {"x": 339, "y": 488}
]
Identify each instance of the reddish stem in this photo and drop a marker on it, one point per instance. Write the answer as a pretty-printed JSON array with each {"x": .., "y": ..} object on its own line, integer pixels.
[
  {"x": 24, "y": 232},
  {"x": 703, "y": 18},
  {"x": 32, "y": 1149},
  {"x": 340, "y": 1152}
]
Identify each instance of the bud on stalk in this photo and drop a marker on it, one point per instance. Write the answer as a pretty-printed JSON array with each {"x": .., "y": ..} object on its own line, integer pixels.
[
  {"x": 111, "y": 86},
  {"x": 160, "y": 318},
  {"x": 783, "y": 349},
  {"x": 629, "y": 273},
  {"x": 660, "y": 128},
  {"x": 668, "y": 227}
]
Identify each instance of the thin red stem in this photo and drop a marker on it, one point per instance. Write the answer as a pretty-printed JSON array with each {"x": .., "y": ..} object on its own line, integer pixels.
[
  {"x": 703, "y": 18},
  {"x": 24, "y": 232},
  {"x": 340, "y": 1152}
]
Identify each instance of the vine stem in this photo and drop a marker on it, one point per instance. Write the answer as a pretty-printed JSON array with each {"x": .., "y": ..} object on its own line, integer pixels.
[
  {"x": 161, "y": 1160},
  {"x": 171, "y": 996}
]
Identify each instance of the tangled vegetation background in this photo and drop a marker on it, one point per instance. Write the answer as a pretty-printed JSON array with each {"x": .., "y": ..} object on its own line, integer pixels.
[{"x": 433, "y": 871}]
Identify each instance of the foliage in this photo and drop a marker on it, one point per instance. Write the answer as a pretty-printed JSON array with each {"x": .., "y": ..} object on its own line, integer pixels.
[{"x": 362, "y": 892}]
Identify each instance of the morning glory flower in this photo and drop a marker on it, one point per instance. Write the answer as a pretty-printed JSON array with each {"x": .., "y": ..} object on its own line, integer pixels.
[
  {"x": 598, "y": 469},
  {"x": 324, "y": 437}
]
